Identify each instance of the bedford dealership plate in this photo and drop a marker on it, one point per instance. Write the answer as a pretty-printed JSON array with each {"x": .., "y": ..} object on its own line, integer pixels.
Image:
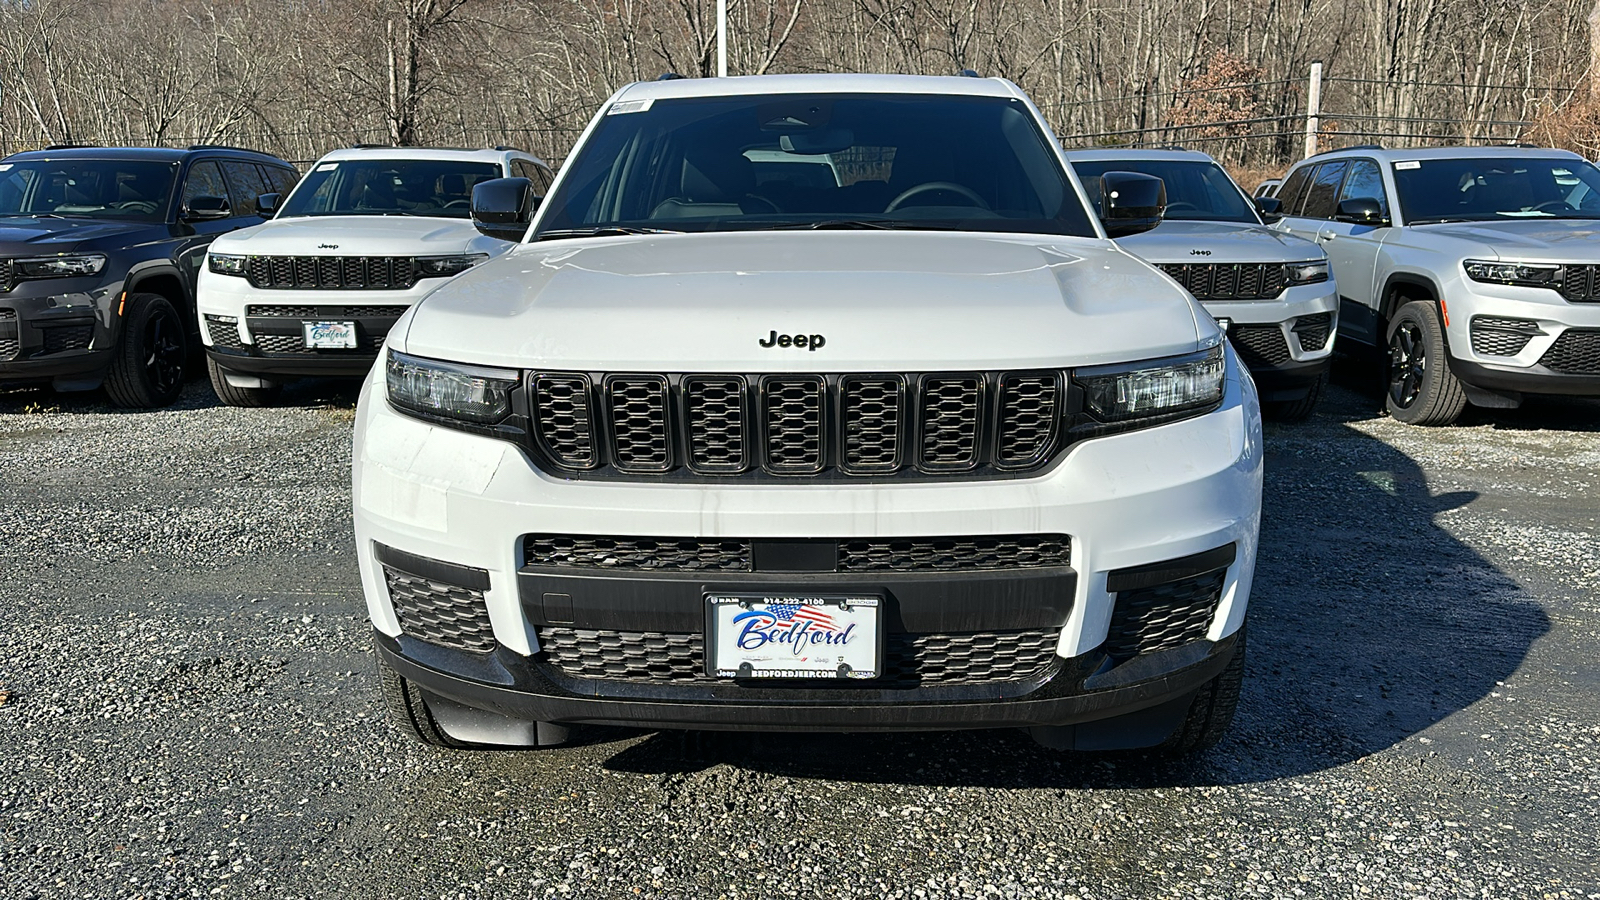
[
  {"x": 330, "y": 335},
  {"x": 793, "y": 636}
]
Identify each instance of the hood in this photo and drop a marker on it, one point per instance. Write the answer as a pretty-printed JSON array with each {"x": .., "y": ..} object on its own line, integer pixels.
[
  {"x": 881, "y": 301},
  {"x": 358, "y": 236},
  {"x": 1176, "y": 241},
  {"x": 1532, "y": 239},
  {"x": 26, "y": 235}
]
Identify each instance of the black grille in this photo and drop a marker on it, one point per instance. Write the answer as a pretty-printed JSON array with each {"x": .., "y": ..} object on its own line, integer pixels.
[
  {"x": 1165, "y": 616},
  {"x": 1228, "y": 281},
  {"x": 332, "y": 272},
  {"x": 859, "y": 425},
  {"x": 1259, "y": 345},
  {"x": 1495, "y": 336},
  {"x": 326, "y": 312},
  {"x": 224, "y": 331},
  {"x": 6, "y": 270},
  {"x": 919, "y": 554},
  {"x": 909, "y": 660},
  {"x": 1575, "y": 352},
  {"x": 1020, "y": 551},
  {"x": 10, "y": 337},
  {"x": 296, "y": 343},
  {"x": 1313, "y": 331},
  {"x": 1581, "y": 284},
  {"x": 61, "y": 338},
  {"x": 637, "y": 553},
  {"x": 440, "y": 613}
]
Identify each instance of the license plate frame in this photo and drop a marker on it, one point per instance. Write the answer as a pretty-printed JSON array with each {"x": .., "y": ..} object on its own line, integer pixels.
[
  {"x": 840, "y": 635},
  {"x": 321, "y": 335}
]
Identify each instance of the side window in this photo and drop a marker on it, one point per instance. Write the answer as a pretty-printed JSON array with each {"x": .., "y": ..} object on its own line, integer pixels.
[
  {"x": 542, "y": 179},
  {"x": 521, "y": 168},
  {"x": 1292, "y": 193},
  {"x": 1365, "y": 182},
  {"x": 1322, "y": 198},
  {"x": 244, "y": 181},
  {"x": 282, "y": 180},
  {"x": 205, "y": 180}
]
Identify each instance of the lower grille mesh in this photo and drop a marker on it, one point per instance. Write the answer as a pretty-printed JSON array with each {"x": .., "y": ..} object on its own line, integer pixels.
[
  {"x": 440, "y": 613},
  {"x": 1575, "y": 352},
  {"x": 1024, "y": 551},
  {"x": 1495, "y": 336},
  {"x": 10, "y": 338},
  {"x": 924, "y": 554},
  {"x": 1259, "y": 345},
  {"x": 1164, "y": 616},
  {"x": 1313, "y": 331},
  {"x": 224, "y": 332},
  {"x": 640, "y": 554},
  {"x": 67, "y": 337}
]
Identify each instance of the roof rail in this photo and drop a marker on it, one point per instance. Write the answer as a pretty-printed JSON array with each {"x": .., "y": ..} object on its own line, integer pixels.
[
  {"x": 968, "y": 73},
  {"x": 227, "y": 147},
  {"x": 361, "y": 146},
  {"x": 1353, "y": 147},
  {"x": 504, "y": 147},
  {"x": 75, "y": 146},
  {"x": 668, "y": 76}
]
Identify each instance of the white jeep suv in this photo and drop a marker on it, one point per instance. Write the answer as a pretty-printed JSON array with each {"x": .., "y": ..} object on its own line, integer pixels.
[
  {"x": 887, "y": 436},
  {"x": 1269, "y": 290},
  {"x": 365, "y": 233},
  {"x": 1477, "y": 269}
]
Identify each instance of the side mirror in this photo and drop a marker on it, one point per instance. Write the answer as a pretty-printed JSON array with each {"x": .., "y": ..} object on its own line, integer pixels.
[
  {"x": 1361, "y": 211},
  {"x": 204, "y": 207},
  {"x": 1270, "y": 208},
  {"x": 503, "y": 207},
  {"x": 1131, "y": 203},
  {"x": 267, "y": 204}
]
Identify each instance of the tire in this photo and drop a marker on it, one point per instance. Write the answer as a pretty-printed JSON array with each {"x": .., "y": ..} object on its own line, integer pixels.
[
  {"x": 1421, "y": 388},
  {"x": 1297, "y": 410},
  {"x": 1212, "y": 710},
  {"x": 239, "y": 396},
  {"x": 147, "y": 365},
  {"x": 409, "y": 712}
]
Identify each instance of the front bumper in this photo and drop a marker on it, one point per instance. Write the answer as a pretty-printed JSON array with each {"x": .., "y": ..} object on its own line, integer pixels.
[
  {"x": 1518, "y": 340},
  {"x": 58, "y": 329},
  {"x": 1126, "y": 502},
  {"x": 1287, "y": 342}
]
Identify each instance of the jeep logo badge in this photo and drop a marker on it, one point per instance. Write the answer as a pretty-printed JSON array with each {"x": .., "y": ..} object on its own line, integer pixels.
[
  {"x": 1199, "y": 252},
  {"x": 810, "y": 341},
  {"x": 327, "y": 246}
]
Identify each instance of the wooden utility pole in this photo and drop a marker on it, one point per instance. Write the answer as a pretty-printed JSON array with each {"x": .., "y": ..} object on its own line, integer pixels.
[
  {"x": 1594, "y": 52},
  {"x": 1314, "y": 105}
]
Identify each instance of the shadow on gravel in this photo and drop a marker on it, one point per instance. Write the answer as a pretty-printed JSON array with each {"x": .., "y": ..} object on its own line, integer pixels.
[
  {"x": 1369, "y": 623},
  {"x": 308, "y": 393}
]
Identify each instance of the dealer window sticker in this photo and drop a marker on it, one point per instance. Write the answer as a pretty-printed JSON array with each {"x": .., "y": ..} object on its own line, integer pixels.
[{"x": 1408, "y": 164}]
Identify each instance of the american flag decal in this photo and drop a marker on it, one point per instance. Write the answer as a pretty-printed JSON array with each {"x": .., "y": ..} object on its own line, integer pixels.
[{"x": 798, "y": 613}]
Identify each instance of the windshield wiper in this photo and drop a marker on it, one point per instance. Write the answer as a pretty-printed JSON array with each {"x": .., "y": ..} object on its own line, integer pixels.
[
  {"x": 599, "y": 231},
  {"x": 1441, "y": 221},
  {"x": 863, "y": 224}
]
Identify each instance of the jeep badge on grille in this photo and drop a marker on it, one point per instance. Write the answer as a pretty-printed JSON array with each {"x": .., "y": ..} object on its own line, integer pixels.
[{"x": 811, "y": 341}]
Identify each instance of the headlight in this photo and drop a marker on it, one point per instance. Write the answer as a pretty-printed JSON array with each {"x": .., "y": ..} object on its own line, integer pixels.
[
  {"x": 437, "y": 266},
  {"x": 472, "y": 394},
  {"x": 66, "y": 266},
  {"x": 226, "y": 263},
  {"x": 1525, "y": 274},
  {"x": 1306, "y": 272},
  {"x": 1153, "y": 388}
]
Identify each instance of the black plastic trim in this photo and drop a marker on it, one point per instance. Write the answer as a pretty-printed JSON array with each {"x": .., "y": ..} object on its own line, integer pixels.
[
  {"x": 435, "y": 569},
  {"x": 1136, "y": 578},
  {"x": 1528, "y": 380}
]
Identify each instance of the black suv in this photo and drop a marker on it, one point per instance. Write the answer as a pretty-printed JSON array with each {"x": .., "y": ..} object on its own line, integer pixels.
[{"x": 99, "y": 251}]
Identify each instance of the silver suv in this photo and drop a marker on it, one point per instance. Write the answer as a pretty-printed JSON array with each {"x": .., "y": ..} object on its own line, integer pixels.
[{"x": 1476, "y": 268}]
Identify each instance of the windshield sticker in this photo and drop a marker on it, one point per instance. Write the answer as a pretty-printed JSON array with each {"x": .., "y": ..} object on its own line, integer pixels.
[
  {"x": 5, "y": 167},
  {"x": 1408, "y": 164},
  {"x": 630, "y": 106},
  {"x": 327, "y": 167}
]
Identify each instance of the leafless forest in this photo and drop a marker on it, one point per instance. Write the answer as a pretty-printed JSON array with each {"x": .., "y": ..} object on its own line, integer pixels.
[{"x": 298, "y": 78}]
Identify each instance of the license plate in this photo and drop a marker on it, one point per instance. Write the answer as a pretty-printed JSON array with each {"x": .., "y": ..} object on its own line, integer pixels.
[
  {"x": 330, "y": 335},
  {"x": 793, "y": 636}
]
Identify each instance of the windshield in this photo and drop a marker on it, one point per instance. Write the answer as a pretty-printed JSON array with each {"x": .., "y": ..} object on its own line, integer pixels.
[
  {"x": 821, "y": 161},
  {"x": 389, "y": 187},
  {"x": 1195, "y": 190},
  {"x": 138, "y": 190},
  {"x": 1490, "y": 188}
]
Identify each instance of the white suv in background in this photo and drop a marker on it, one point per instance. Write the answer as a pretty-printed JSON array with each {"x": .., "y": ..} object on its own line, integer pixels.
[
  {"x": 1270, "y": 291},
  {"x": 364, "y": 234},
  {"x": 811, "y": 402}
]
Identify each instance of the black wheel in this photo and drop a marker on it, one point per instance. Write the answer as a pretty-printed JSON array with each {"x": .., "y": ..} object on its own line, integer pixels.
[
  {"x": 1212, "y": 710},
  {"x": 1296, "y": 410},
  {"x": 1422, "y": 389},
  {"x": 147, "y": 368},
  {"x": 239, "y": 396},
  {"x": 409, "y": 712}
]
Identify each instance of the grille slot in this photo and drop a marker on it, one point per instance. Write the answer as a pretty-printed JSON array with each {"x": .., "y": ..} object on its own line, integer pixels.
[
  {"x": 637, "y": 553},
  {"x": 565, "y": 419},
  {"x": 915, "y": 554},
  {"x": 7, "y": 270},
  {"x": 62, "y": 338},
  {"x": 638, "y": 407},
  {"x": 1029, "y": 411},
  {"x": 1164, "y": 616},
  {"x": 910, "y": 660},
  {"x": 1228, "y": 281},
  {"x": 1575, "y": 352},
  {"x": 1020, "y": 551},
  {"x": 1313, "y": 330},
  {"x": 1495, "y": 336},
  {"x": 793, "y": 425},
  {"x": 951, "y": 407},
  {"x": 224, "y": 332},
  {"x": 1581, "y": 283},
  {"x": 10, "y": 334},
  {"x": 1259, "y": 345},
  {"x": 872, "y": 413},
  {"x": 331, "y": 272},
  {"x": 716, "y": 424},
  {"x": 439, "y": 612}
]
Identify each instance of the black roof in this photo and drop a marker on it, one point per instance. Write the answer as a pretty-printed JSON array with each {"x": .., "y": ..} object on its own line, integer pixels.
[{"x": 153, "y": 154}]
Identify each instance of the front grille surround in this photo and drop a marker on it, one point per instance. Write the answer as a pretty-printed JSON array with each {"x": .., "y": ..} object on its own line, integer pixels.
[
  {"x": 1229, "y": 281},
  {"x": 395, "y": 273}
]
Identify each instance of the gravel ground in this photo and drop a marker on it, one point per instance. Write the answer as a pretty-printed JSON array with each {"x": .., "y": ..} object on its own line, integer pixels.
[{"x": 190, "y": 709}]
